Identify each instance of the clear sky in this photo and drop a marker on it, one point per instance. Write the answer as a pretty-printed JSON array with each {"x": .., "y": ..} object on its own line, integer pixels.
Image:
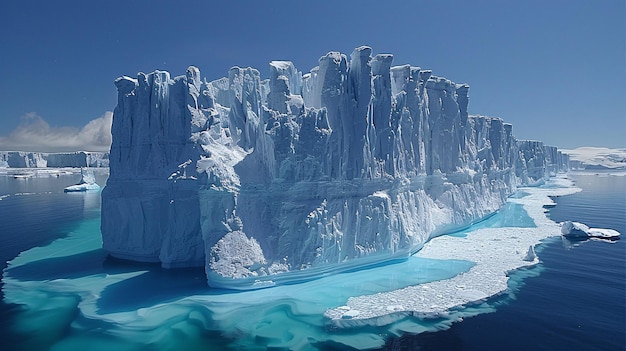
[{"x": 556, "y": 69}]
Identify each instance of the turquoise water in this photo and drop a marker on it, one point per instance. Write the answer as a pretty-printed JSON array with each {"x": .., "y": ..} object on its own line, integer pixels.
[
  {"x": 510, "y": 215},
  {"x": 73, "y": 297}
]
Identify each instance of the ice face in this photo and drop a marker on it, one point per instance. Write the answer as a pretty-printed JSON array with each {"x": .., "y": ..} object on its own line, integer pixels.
[{"x": 355, "y": 163}]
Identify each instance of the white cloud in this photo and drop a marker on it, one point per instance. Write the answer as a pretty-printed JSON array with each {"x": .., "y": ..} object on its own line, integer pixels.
[{"x": 35, "y": 134}]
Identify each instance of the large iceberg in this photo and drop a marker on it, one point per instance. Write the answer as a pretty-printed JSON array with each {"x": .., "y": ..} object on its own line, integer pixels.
[{"x": 278, "y": 180}]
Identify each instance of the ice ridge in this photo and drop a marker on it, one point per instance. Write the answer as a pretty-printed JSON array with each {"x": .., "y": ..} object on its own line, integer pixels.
[{"x": 265, "y": 181}]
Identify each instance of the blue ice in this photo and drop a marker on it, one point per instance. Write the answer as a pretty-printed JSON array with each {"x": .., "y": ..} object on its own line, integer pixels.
[{"x": 111, "y": 304}]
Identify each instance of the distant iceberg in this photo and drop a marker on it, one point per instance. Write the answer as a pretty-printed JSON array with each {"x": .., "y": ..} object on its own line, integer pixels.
[
  {"x": 87, "y": 183},
  {"x": 597, "y": 158},
  {"x": 24, "y": 159}
]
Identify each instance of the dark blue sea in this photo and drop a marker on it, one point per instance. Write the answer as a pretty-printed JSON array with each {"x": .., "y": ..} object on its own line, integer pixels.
[{"x": 575, "y": 299}]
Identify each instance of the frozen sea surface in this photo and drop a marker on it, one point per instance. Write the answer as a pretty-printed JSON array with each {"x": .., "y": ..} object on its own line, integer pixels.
[{"x": 72, "y": 295}]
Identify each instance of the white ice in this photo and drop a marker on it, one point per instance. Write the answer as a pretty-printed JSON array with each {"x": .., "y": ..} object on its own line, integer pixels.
[
  {"x": 575, "y": 230},
  {"x": 496, "y": 252},
  {"x": 87, "y": 183},
  {"x": 598, "y": 157}
]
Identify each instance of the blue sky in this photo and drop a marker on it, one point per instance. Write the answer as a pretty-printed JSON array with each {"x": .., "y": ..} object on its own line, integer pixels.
[{"x": 555, "y": 69}]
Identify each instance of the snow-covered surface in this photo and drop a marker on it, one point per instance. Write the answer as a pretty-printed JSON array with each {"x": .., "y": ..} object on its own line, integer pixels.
[
  {"x": 579, "y": 230},
  {"x": 598, "y": 157},
  {"x": 355, "y": 163},
  {"x": 495, "y": 251}
]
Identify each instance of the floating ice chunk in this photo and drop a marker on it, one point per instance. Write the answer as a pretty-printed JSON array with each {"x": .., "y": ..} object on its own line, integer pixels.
[
  {"x": 574, "y": 229},
  {"x": 579, "y": 230},
  {"x": 603, "y": 233},
  {"x": 87, "y": 183}
]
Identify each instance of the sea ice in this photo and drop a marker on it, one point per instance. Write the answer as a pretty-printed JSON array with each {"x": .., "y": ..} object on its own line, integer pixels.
[{"x": 496, "y": 251}]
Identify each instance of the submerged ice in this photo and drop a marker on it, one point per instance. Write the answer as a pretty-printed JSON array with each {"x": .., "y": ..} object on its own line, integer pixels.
[{"x": 285, "y": 179}]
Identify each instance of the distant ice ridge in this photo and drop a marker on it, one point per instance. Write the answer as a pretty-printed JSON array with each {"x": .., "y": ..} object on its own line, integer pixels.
[
  {"x": 597, "y": 158},
  {"x": 291, "y": 177},
  {"x": 23, "y": 159}
]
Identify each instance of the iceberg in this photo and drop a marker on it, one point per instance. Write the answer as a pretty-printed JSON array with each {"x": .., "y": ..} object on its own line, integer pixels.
[
  {"x": 23, "y": 159},
  {"x": 598, "y": 158},
  {"x": 87, "y": 183},
  {"x": 577, "y": 230},
  {"x": 286, "y": 179}
]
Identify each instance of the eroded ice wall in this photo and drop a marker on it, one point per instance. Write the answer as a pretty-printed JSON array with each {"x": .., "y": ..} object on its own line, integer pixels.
[
  {"x": 150, "y": 209},
  {"x": 286, "y": 178}
]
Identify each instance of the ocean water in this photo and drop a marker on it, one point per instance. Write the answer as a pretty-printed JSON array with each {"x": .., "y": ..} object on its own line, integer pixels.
[
  {"x": 575, "y": 298},
  {"x": 76, "y": 298}
]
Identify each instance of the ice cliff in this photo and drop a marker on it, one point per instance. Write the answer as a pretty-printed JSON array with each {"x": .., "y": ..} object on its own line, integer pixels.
[
  {"x": 22, "y": 159},
  {"x": 265, "y": 181}
]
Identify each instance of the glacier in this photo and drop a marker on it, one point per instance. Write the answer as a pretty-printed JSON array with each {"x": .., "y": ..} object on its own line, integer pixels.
[{"x": 290, "y": 178}]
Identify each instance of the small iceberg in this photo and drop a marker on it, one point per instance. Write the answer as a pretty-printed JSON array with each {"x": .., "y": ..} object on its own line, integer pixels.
[
  {"x": 23, "y": 175},
  {"x": 577, "y": 230},
  {"x": 87, "y": 183}
]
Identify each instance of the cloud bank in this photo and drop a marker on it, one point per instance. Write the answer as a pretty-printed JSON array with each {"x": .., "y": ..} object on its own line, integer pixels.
[{"x": 35, "y": 134}]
